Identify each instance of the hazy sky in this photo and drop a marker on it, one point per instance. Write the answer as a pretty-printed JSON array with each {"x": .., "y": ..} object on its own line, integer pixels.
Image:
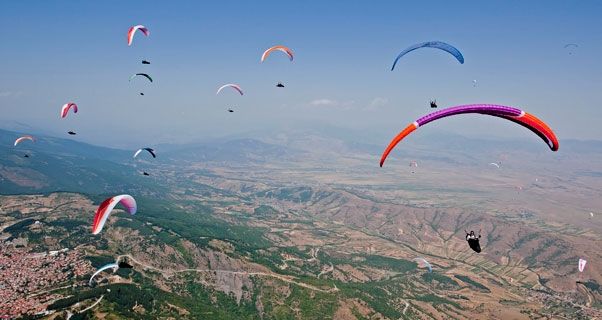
[{"x": 53, "y": 52}]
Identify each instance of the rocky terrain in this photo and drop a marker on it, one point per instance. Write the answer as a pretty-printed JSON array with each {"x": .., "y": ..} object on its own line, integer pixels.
[{"x": 286, "y": 231}]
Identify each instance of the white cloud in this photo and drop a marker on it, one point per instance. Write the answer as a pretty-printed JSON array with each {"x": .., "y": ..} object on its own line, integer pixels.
[
  {"x": 4, "y": 94},
  {"x": 332, "y": 103},
  {"x": 377, "y": 103},
  {"x": 324, "y": 102}
]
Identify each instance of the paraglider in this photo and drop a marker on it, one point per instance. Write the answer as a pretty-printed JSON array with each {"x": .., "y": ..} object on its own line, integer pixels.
[
  {"x": 132, "y": 31},
  {"x": 414, "y": 164},
  {"x": 474, "y": 83},
  {"x": 230, "y": 110},
  {"x": 280, "y": 85},
  {"x": 113, "y": 266},
  {"x": 591, "y": 214},
  {"x": 151, "y": 151},
  {"x": 582, "y": 263},
  {"x": 141, "y": 74},
  {"x": 230, "y": 85},
  {"x": 473, "y": 241},
  {"x": 72, "y": 133},
  {"x": 423, "y": 263},
  {"x": 570, "y": 47},
  {"x": 26, "y": 156},
  {"x": 145, "y": 62},
  {"x": 433, "y": 103},
  {"x": 141, "y": 93},
  {"x": 431, "y": 44},
  {"x": 495, "y": 164},
  {"x": 509, "y": 113},
  {"x": 66, "y": 107},
  {"x": 105, "y": 208},
  {"x": 284, "y": 49},
  {"x": 145, "y": 173},
  {"x": 23, "y": 138}
]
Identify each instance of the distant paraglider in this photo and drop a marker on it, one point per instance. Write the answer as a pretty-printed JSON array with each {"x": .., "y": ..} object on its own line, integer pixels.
[
  {"x": 284, "y": 49},
  {"x": 143, "y": 75},
  {"x": 124, "y": 265},
  {"x": 423, "y": 263},
  {"x": 71, "y": 133},
  {"x": 145, "y": 173},
  {"x": 132, "y": 31},
  {"x": 150, "y": 150},
  {"x": 571, "y": 47},
  {"x": 509, "y": 113},
  {"x": 66, "y": 107},
  {"x": 474, "y": 83},
  {"x": 230, "y": 85},
  {"x": 495, "y": 165},
  {"x": 23, "y": 138},
  {"x": 145, "y": 62},
  {"x": 473, "y": 241},
  {"x": 113, "y": 266},
  {"x": 433, "y": 103},
  {"x": 431, "y": 44},
  {"x": 582, "y": 263},
  {"x": 230, "y": 110},
  {"x": 105, "y": 208}
]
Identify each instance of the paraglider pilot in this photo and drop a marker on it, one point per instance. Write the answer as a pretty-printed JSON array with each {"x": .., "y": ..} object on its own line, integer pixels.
[{"x": 473, "y": 240}]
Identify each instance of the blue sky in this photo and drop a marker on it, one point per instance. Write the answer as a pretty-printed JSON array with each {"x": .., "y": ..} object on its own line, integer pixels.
[{"x": 58, "y": 51}]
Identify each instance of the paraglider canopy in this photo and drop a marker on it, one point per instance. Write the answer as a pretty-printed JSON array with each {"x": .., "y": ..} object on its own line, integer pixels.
[
  {"x": 72, "y": 133},
  {"x": 105, "y": 208},
  {"x": 230, "y": 110},
  {"x": 423, "y": 263},
  {"x": 132, "y": 31},
  {"x": 66, "y": 107},
  {"x": 23, "y": 138},
  {"x": 284, "y": 49},
  {"x": 280, "y": 85},
  {"x": 582, "y": 263},
  {"x": 431, "y": 44},
  {"x": 509, "y": 113},
  {"x": 150, "y": 150},
  {"x": 145, "y": 173},
  {"x": 230, "y": 85},
  {"x": 143, "y": 75},
  {"x": 433, "y": 103},
  {"x": 145, "y": 62},
  {"x": 113, "y": 266}
]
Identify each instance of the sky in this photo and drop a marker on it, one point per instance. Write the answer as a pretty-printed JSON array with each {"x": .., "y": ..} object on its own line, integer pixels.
[{"x": 55, "y": 52}]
